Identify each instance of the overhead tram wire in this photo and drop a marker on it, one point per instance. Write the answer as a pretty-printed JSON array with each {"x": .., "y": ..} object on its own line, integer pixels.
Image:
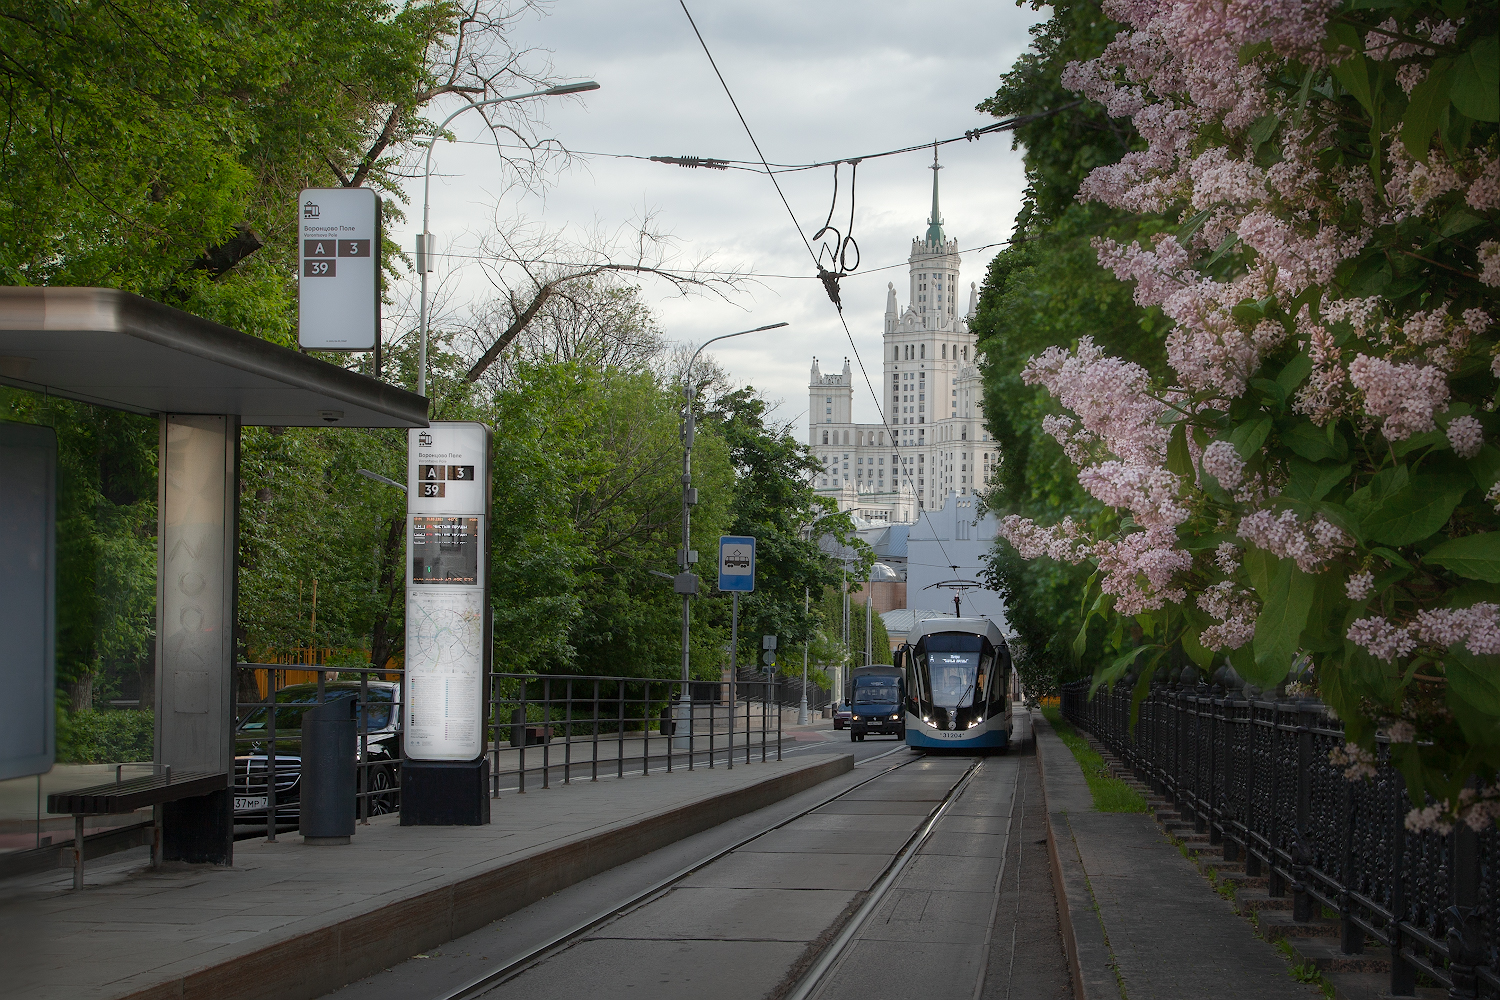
[
  {"x": 864, "y": 373},
  {"x": 734, "y": 274},
  {"x": 716, "y": 163}
]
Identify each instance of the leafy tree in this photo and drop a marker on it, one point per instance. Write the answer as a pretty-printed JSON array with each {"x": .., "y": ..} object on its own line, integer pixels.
[
  {"x": 1047, "y": 289},
  {"x": 774, "y": 501}
]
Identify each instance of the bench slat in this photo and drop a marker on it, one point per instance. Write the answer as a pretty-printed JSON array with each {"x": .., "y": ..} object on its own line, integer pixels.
[{"x": 128, "y": 796}]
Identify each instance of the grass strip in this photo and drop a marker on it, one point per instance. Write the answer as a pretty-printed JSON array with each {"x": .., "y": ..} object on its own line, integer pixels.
[{"x": 1111, "y": 795}]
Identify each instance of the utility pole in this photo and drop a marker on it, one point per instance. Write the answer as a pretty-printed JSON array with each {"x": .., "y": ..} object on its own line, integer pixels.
[
  {"x": 802, "y": 712},
  {"x": 869, "y": 631}
]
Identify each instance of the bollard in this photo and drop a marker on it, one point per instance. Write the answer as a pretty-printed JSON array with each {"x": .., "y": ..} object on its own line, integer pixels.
[{"x": 329, "y": 759}]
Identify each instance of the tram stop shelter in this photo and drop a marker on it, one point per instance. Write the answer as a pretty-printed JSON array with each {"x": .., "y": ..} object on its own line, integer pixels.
[{"x": 203, "y": 381}]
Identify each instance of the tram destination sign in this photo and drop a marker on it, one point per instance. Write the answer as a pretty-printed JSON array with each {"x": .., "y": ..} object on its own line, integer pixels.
[
  {"x": 338, "y": 253},
  {"x": 736, "y": 563},
  {"x": 447, "y": 592}
]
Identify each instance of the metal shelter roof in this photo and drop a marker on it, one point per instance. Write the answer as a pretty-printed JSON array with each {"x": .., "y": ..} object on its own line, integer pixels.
[{"x": 115, "y": 349}]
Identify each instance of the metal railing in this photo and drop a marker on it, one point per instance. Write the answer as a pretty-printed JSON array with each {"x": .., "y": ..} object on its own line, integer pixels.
[
  {"x": 541, "y": 728},
  {"x": 268, "y": 760},
  {"x": 545, "y": 727},
  {"x": 1255, "y": 775}
]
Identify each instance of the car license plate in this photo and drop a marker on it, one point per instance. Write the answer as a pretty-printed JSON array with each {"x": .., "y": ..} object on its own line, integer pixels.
[{"x": 243, "y": 802}]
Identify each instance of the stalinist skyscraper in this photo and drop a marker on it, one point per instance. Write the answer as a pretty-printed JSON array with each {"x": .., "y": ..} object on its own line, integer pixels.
[{"x": 933, "y": 441}]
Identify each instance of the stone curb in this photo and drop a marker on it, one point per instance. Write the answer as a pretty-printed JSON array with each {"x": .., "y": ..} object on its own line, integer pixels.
[
  {"x": 1090, "y": 962},
  {"x": 318, "y": 960}
]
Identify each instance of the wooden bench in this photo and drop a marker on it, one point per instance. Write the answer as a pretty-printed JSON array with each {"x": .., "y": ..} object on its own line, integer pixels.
[{"x": 126, "y": 796}]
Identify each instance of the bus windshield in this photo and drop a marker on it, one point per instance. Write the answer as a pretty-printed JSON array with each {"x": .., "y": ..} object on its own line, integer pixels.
[{"x": 875, "y": 691}]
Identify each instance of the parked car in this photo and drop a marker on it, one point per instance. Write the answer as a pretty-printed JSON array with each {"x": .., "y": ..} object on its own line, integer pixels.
[
  {"x": 841, "y": 715},
  {"x": 252, "y": 764}
]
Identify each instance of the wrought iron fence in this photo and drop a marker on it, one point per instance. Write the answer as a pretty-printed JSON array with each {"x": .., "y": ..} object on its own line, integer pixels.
[
  {"x": 541, "y": 728},
  {"x": 546, "y": 727},
  {"x": 1255, "y": 775}
]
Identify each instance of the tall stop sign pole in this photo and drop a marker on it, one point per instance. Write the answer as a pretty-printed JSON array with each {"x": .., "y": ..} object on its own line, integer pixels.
[
  {"x": 445, "y": 781},
  {"x": 736, "y": 576}
]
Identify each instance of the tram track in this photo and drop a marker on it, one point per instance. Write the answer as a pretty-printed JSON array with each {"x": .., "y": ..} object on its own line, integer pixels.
[{"x": 565, "y": 939}]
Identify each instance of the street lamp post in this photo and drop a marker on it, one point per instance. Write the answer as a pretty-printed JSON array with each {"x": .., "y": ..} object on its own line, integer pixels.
[
  {"x": 424, "y": 238},
  {"x": 802, "y": 711},
  {"x": 686, "y": 582}
]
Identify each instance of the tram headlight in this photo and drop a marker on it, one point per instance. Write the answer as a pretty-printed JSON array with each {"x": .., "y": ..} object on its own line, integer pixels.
[{"x": 973, "y": 724}]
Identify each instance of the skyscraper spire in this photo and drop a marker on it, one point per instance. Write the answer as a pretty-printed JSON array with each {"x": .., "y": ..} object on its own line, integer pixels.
[{"x": 935, "y": 223}]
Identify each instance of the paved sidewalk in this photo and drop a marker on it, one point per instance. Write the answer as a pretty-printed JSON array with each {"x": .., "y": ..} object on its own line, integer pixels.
[
  {"x": 289, "y": 921},
  {"x": 1139, "y": 916}
]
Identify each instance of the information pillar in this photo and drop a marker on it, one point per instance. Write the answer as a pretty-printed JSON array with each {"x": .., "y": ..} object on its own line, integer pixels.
[{"x": 445, "y": 780}]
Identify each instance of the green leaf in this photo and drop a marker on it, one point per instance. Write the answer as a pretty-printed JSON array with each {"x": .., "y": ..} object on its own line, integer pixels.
[
  {"x": 1476, "y": 80},
  {"x": 1190, "y": 226},
  {"x": 1427, "y": 439},
  {"x": 1260, "y": 567},
  {"x": 1474, "y": 679},
  {"x": 1424, "y": 112},
  {"x": 1200, "y": 654},
  {"x": 1179, "y": 458},
  {"x": 1272, "y": 389},
  {"x": 1117, "y": 669},
  {"x": 1474, "y": 556},
  {"x": 1294, "y": 373},
  {"x": 1279, "y": 627},
  {"x": 1311, "y": 442},
  {"x": 1416, "y": 511},
  {"x": 1354, "y": 74},
  {"x": 1380, "y": 486},
  {"x": 1310, "y": 482},
  {"x": 1485, "y": 467},
  {"x": 1250, "y": 435},
  {"x": 1392, "y": 557},
  {"x": 1323, "y": 632}
]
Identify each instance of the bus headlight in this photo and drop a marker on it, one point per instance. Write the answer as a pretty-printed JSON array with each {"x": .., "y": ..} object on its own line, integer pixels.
[{"x": 895, "y": 717}]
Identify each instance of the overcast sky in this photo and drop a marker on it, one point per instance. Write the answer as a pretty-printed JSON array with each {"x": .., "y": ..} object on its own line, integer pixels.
[{"x": 816, "y": 81}]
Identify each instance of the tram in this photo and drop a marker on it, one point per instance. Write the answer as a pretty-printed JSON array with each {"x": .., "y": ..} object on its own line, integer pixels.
[{"x": 958, "y": 695}]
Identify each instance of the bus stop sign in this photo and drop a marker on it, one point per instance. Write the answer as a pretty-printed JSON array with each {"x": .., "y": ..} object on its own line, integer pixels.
[{"x": 736, "y": 563}]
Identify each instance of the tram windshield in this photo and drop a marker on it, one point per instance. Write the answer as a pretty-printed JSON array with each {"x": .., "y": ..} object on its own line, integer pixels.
[
  {"x": 956, "y": 668},
  {"x": 875, "y": 691}
]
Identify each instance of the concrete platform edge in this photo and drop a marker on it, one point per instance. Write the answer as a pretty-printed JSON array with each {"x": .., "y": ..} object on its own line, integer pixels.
[
  {"x": 320, "y": 960},
  {"x": 1090, "y": 962}
]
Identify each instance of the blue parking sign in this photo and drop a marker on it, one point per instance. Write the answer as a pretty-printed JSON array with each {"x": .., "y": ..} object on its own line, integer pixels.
[{"x": 736, "y": 563}]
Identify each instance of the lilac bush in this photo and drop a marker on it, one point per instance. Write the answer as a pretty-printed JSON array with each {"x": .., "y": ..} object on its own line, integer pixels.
[{"x": 1317, "y": 474}]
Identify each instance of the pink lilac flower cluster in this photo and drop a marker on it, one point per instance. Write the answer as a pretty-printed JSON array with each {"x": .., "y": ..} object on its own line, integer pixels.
[
  {"x": 1493, "y": 496},
  {"x": 1466, "y": 435},
  {"x": 1227, "y": 558},
  {"x": 1476, "y": 629},
  {"x": 1285, "y": 536},
  {"x": 1489, "y": 263},
  {"x": 1064, "y": 542},
  {"x": 1140, "y": 570},
  {"x": 1404, "y": 397},
  {"x": 1357, "y": 762},
  {"x": 1235, "y": 609},
  {"x": 1111, "y": 397},
  {"x": 1360, "y": 586},
  {"x": 1479, "y": 808},
  {"x": 1222, "y": 461},
  {"x": 1401, "y": 731}
]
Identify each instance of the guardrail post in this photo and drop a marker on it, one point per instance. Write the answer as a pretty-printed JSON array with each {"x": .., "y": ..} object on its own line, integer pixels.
[
  {"x": 1466, "y": 948},
  {"x": 1351, "y": 935},
  {"x": 1302, "y": 901},
  {"x": 1403, "y": 973}
]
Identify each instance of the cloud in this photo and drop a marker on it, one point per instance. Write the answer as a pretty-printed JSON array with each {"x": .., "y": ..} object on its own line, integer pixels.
[{"x": 815, "y": 81}]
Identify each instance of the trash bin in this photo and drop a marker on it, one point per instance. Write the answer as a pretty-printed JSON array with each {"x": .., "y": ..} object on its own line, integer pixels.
[{"x": 329, "y": 762}]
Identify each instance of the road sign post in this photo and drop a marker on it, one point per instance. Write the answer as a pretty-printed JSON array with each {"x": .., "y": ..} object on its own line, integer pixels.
[
  {"x": 736, "y": 576},
  {"x": 338, "y": 282}
]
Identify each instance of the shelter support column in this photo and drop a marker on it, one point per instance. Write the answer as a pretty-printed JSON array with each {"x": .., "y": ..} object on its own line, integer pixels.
[{"x": 196, "y": 584}]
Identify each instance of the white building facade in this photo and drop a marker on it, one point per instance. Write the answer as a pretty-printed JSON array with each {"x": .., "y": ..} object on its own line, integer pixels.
[{"x": 933, "y": 441}]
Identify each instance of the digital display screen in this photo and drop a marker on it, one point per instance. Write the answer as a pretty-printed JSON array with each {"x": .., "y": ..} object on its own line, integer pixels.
[{"x": 445, "y": 550}]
